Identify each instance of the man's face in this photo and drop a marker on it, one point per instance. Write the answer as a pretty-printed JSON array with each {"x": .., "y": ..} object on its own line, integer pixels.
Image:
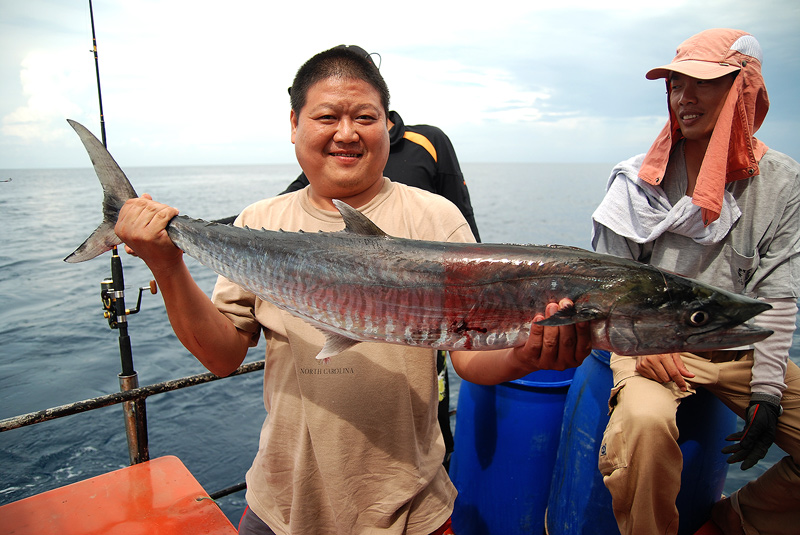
[
  {"x": 341, "y": 139},
  {"x": 697, "y": 103}
]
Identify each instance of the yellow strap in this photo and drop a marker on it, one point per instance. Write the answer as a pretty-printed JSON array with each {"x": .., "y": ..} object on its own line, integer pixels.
[{"x": 422, "y": 141}]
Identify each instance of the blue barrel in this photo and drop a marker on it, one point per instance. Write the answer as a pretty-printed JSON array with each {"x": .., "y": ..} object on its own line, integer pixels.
[
  {"x": 506, "y": 437},
  {"x": 579, "y": 503}
]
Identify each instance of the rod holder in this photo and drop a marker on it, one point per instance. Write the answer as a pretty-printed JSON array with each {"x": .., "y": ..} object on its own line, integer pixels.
[{"x": 135, "y": 413}]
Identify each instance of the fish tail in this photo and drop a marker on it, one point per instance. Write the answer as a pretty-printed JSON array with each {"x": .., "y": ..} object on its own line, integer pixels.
[{"x": 116, "y": 190}]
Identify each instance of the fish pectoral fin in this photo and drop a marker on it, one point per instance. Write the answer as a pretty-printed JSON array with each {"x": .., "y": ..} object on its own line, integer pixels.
[
  {"x": 335, "y": 344},
  {"x": 569, "y": 316}
]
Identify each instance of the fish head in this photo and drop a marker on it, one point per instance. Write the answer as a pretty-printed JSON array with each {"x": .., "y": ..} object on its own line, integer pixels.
[{"x": 663, "y": 313}]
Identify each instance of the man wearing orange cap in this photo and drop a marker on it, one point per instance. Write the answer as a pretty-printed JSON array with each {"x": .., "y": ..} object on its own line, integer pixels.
[{"x": 711, "y": 202}]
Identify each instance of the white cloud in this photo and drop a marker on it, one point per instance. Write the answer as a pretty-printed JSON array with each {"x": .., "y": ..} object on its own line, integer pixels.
[
  {"x": 452, "y": 92},
  {"x": 52, "y": 85}
]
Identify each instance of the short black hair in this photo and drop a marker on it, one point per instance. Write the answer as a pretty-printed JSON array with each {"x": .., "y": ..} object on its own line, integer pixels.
[{"x": 341, "y": 62}]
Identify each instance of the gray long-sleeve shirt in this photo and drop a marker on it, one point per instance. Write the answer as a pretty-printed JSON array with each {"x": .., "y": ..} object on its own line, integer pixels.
[{"x": 758, "y": 257}]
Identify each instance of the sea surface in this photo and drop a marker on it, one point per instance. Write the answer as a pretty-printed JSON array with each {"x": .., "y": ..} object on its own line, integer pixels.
[{"x": 56, "y": 347}]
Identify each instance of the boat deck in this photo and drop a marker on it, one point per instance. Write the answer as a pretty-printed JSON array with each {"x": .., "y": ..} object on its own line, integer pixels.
[{"x": 157, "y": 497}]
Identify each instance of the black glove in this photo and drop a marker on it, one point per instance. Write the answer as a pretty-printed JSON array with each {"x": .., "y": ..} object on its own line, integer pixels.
[{"x": 758, "y": 434}]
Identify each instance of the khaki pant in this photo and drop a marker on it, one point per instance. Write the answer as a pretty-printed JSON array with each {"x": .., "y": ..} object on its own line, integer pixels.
[{"x": 641, "y": 461}]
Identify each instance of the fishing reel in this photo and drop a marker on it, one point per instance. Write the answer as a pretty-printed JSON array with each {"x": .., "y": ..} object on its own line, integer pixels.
[{"x": 109, "y": 296}]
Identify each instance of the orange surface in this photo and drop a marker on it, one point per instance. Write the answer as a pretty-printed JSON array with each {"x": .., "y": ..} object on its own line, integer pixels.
[{"x": 158, "y": 497}]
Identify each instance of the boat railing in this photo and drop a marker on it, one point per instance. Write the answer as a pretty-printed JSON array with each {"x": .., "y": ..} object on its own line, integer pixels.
[{"x": 133, "y": 401}]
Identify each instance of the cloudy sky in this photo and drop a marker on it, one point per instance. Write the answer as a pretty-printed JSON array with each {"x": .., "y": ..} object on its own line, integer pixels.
[{"x": 195, "y": 82}]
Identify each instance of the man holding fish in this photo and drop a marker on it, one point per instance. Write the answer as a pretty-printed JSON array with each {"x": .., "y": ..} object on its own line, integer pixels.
[
  {"x": 351, "y": 445},
  {"x": 711, "y": 202}
]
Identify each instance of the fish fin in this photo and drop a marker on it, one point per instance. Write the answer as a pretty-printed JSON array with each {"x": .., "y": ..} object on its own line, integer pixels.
[
  {"x": 570, "y": 315},
  {"x": 356, "y": 222},
  {"x": 335, "y": 344},
  {"x": 116, "y": 190},
  {"x": 101, "y": 240}
]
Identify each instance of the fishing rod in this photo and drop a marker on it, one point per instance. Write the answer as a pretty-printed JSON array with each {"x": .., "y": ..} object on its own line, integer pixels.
[
  {"x": 97, "y": 73},
  {"x": 112, "y": 294}
]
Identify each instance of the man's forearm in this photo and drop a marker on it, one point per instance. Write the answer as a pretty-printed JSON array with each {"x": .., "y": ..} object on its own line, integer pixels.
[{"x": 202, "y": 329}]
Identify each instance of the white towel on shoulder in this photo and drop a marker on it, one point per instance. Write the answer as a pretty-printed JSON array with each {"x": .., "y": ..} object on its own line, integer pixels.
[{"x": 641, "y": 212}]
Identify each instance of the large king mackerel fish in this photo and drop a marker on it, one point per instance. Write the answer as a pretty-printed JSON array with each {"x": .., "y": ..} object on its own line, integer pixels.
[{"x": 361, "y": 285}]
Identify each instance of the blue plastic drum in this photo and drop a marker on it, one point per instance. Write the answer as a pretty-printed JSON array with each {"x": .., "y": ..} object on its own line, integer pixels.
[
  {"x": 579, "y": 503},
  {"x": 506, "y": 439}
]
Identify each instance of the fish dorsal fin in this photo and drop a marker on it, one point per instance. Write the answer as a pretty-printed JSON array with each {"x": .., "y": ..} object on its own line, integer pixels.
[{"x": 356, "y": 222}]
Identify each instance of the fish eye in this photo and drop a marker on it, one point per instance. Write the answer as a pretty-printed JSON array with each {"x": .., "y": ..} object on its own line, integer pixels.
[{"x": 698, "y": 318}]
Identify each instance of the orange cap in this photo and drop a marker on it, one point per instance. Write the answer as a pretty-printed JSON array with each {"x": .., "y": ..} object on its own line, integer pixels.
[{"x": 711, "y": 54}]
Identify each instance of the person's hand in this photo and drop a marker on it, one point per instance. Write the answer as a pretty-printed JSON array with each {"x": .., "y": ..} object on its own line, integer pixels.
[
  {"x": 141, "y": 225},
  {"x": 555, "y": 348},
  {"x": 664, "y": 368},
  {"x": 757, "y": 436}
]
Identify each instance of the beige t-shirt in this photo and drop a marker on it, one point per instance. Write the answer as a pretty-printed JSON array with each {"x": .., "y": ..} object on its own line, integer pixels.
[{"x": 351, "y": 446}]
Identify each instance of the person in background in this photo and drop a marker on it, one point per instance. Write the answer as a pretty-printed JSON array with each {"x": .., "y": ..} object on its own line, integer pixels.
[
  {"x": 358, "y": 451},
  {"x": 423, "y": 156},
  {"x": 711, "y": 202}
]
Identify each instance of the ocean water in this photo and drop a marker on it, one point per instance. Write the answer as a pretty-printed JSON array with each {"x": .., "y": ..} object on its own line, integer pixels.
[{"x": 56, "y": 347}]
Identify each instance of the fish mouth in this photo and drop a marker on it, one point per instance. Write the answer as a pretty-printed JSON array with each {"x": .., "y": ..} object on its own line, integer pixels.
[{"x": 726, "y": 338}]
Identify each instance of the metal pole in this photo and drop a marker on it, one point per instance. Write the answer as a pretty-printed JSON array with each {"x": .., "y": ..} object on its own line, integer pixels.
[
  {"x": 135, "y": 413},
  {"x": 77, "y": 407}
]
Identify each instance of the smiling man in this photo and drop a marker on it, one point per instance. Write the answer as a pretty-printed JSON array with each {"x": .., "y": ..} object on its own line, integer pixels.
[
  {"x": 696, "y": 105},
  {"x": 711, "y": 202},
  {"x": 341, "y": 140},
  {"x": 353, "y": 446}
]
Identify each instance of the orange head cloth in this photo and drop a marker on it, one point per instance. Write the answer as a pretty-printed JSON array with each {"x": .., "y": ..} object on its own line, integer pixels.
[{"x": 733, "y": 153}]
